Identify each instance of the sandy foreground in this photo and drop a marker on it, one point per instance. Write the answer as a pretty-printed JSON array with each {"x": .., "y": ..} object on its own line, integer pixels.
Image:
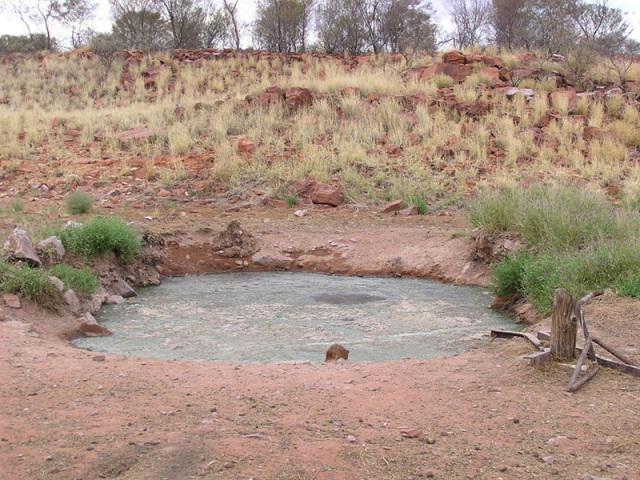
[{"x": 66, "y": 413}]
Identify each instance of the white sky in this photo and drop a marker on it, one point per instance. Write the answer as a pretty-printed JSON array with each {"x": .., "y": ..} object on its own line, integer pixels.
[{"x": 102, "y": 21}]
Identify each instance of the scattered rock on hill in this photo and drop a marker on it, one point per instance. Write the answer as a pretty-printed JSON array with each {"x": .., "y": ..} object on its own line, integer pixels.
[
  {"x": 138, "y": 134},
  {"x": 327, "y": 194},
  {"x": 59, "y": 284},
  {"x": 392, "y": 207},
  {"x": 297, "y": 98},
  {"x": 234, "y": 242},
  {"x": 454, "y": 57},
  {"x": 246, "y": 146},
  {"x": 409, "y": 211},
  {"x": 19, "y": 247},
  {"x": 561, "y": 98},
  {"x": 491, "y": 248},
  {"x": 458, "y": 72},
  {"x": 51, "y": 249}
]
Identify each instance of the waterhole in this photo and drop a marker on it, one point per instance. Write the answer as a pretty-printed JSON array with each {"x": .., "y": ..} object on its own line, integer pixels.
[{"x": 279, "y": 317}]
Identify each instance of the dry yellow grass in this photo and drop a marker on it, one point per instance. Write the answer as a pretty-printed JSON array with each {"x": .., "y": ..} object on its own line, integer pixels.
[{"x": 377, "y": 150}]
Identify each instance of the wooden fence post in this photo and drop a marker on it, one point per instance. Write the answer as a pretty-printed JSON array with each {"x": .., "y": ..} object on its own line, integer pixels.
[{"x": 564, "y": 326}]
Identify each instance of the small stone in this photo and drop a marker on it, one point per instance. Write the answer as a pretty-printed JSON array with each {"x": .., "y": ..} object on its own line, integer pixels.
[
  {"x": 114, "y": 300},
  {"x": 11, "y": 300},
  {"x": 71, "y": 299},
  {"x": 300, "y": 213},
  {"x": 52, "y": 248},
  {"x": 351, "y": 439},
  {"x": 326, "y": 194},
  {"x": 411, "y": 211},
  {"x": 20, "y": 247},
  {"x": 391, "y": 207},
  {"x": 99, "y": 358},
  {"x": 411, "y": 433},
  {"x": 59, "y": 284},
  {"x": 91, "y": 328},
  {"x": 122, "y": 288},
  {"x": 336, "y": 352},
  {"x": 549, "y": 459}
]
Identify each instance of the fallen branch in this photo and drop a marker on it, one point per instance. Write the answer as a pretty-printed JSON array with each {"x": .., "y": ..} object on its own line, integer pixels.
[
  {"x": 511, "y": 334},
  {"x": 583, "y": 356},
  {"x": 587, "y": 376},
  {"x": 620, "y": 356}
]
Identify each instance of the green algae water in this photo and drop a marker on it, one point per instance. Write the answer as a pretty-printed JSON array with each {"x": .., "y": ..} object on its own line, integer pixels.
[{"x": 281, "y": 317}]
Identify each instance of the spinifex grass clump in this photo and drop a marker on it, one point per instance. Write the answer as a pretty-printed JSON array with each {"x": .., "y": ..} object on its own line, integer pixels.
[
  {"x": 99, "y": 236},
  {"x": 80, "y": 280},
  {"x": 575, "y": 239},
  {"x": 553, "y": 218},
  {"x": 79, "y": 202},
  {"x": 32, "y": 283}
]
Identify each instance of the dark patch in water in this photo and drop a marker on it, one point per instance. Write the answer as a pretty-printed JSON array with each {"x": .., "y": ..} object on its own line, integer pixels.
[{"x": 346, "y": 298}]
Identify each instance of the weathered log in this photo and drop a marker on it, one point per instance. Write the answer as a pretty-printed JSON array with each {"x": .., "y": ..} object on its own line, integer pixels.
[
  {"x": 495, "y": 333},
  {"x": 583, "y": 356},
  {"x": 587, "y": 376},
  {"x": 539, "y": 358},
  {"x": 620, "y": 356},
  {"x": 564, "y": 326}
]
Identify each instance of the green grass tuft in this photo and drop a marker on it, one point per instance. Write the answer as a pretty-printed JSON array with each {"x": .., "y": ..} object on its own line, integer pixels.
[
  {"x": 421, "y": 204},
  {"x": 82, "y": 280},
  {"x": 292, "y": 200},
  {"x": 31, "y": 283},
  {"x": 102, "y": 235},
  {"x": 553, "y": 218},
  {"x": 507, "y": 276},
  {"x": 575, "y": 240},
  {"x": 78, "y": 203}
]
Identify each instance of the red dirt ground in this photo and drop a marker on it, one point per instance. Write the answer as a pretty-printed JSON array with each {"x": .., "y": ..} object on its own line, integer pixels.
[{"x": 66, "y": 413}]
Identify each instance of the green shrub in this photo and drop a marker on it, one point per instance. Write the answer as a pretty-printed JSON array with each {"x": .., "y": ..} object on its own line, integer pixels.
[
  {"x": 553, "y": 218},
  {"x": 79, "y": 202},
  {"x": 101, "y": 235},
  {"x": 421, "y": 205},
  {"x": 17, "y": 206},
  {"x": 630, "y": 286},
  {"x": 575, "y": 240},
  {"x": 80, "y": 280},
  {"x": 292, "y": 200},
  {"x": 507, "y": 276},
  {"x": 536, "y": 277},
  {"x": 33, "y": 284}
]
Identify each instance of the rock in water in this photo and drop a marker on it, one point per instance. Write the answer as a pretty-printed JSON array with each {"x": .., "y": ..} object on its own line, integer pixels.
[
  {"x": 20, "y": 247},
  {"x": 122, "y": 288},
  {"x": 336, "y": 352},
  {"x": 91, "y": 328}
]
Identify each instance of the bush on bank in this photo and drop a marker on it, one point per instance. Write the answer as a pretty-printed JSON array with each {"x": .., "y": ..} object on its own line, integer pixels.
[
  {"x": 575, "y": 239},
  {"x": 99, "y": 236}
]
